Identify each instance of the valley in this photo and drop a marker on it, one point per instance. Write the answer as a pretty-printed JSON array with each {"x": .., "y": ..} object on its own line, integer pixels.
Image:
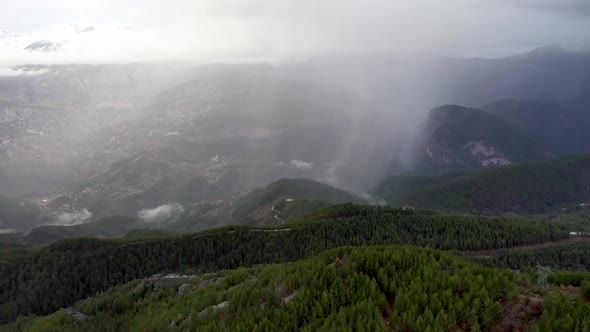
[{"x": 376, "y": 192}]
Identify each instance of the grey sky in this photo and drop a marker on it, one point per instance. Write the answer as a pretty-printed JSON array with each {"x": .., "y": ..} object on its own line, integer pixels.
[{"x": 242, "y": 30}]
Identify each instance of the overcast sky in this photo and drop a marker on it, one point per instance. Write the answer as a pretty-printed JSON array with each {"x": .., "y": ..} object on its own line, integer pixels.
[{"x": 251, "y": 30}]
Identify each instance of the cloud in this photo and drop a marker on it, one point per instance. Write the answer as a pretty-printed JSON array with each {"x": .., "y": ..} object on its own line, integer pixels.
[
  {"x": 275, "y": 30},
  {"x": 161, "y": 213},
  {"x": 569, "y": 7},
  {"x": 304, "y": 165},
  {"x": 73, "y": 218}
]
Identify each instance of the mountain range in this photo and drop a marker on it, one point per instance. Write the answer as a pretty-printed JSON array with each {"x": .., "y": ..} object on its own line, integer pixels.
[
  {"x": 311, "y": 195},
  {"x": 119, "y": 139}
]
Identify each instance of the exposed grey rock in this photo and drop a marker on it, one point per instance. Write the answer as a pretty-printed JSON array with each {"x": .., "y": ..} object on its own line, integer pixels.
[
  {"x": 290, "y": 297},
  {"x": 211, "y": 281},
  {"x": 171, "y": 279},
  {"x": 214, "y": 308},
  {"x": 185, "y": 288},
  {"x": 139, "y": 288},
  {"x": 186, "y": 322},
  {"x": 76, "y": 315},
  {"x": 155, "y": 277}
]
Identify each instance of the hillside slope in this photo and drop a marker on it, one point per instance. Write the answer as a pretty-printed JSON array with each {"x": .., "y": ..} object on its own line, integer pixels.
[
  {"x": 108, "y": 227},
  {"x": 362, "y": 289},
  {"x": 456, "y": 138},
  {"x": 560, "y": 128},
  {"x": 372, "y": 288},
  {"x": 523, "y": 189},
  {"x": 57, "y": 269},
  {"x": 264, "y": 206},
  {"x": 18, "y": 214}
]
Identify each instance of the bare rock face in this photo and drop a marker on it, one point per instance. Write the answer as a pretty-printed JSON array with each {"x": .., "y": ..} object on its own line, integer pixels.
[
  {"x": 214, "y": 308},
  {"x": 76, "y": 315},
  {"x": 211, "y": 281},
  {"x": 457, "y": 138},
  {"x": 170, "y": 280},
  {"x": 184, "y": 288}
]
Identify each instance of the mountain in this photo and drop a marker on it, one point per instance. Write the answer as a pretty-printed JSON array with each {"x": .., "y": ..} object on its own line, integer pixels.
[
  {"x": 117, "y": 139},
  {"x": 338, "y": 290},
  {"x": 521, "y": 189},
  {"x": 223, "y": 133},
  {"x": 50, "y": 116},
  {"x": 558, "y": 127},
  {"x": 277, "y": 202},
  {"x": 108, "y": 227},
  {"x": 458, "y": 138},
  {"x": 43, "y": 45},
  {"x": 283, "y": 191},
  {"x": 546, "y": 74},
  {"x": 57, "y": 268}
]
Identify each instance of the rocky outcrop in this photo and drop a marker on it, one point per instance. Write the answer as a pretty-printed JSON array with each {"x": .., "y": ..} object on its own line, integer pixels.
[
  {"x": 185, "y": 288},
  {"x": 211, "y": 281},
  {"x": 213, "y": 308},
  {"x": 76, "y": 315},
  {"x": 169, "y": 280}
]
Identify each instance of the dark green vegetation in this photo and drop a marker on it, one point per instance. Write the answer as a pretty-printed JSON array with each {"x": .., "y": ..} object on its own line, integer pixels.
[
  {"x": 456, "y": 125},
  {"x": 262, "y": 205},
  {"x": 366, "y": 289},
  {"x": 13, "y": 247},
  {"x": 71, "y": 270},
  {"x": 108, "y": 227},
  {"x": 573, "y": 256},
  {"x": 291, "y": 210},
  {"x": 576, "y": 219},
  {"x": 459, "y": 138},
  {"x": 523, "y": 189},
  {"x": 277, "y": 192},
  {"x": 363, "y": 289}
]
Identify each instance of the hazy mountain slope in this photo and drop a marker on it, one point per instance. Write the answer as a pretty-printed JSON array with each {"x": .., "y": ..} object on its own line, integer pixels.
[
  {"x": 528, "y": 188},
  {"x": 18, "y": 214},
  {"x": 456, "y": 138},
  {"x": 407, "y": 85},
  {"x": 396, "y": 187},
  {"x": 547, "y": 74},
  {"x": 249, "y": 206},
  {"x": 108, "y": 227},
  {"x": 264, "y": 206},
  {"x": 559, "y": 128},
  {"x": 226, "y": 132}
]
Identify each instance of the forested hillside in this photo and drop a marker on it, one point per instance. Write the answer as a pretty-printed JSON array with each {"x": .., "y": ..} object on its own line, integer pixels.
[
  {"x": 107, "y": 227},
  {"x": 457, "y": 138},
  {"x": 523, "y": 189},
  {"x": 71, "y": 270},
  {"x": 272, "y": 204},
  {"x": 364, "y": 289},
  {"x": 292, "y": 189}
]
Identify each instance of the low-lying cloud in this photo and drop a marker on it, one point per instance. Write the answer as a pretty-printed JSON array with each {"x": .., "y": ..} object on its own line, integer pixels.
[
  {"x": 304, "y": 165},
  {"x": 161, "y": 213},
  {"x": 73, "y": 218}
]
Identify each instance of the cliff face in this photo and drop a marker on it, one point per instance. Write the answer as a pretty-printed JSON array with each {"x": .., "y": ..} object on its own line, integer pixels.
[{"x": 456, "y": 138}]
